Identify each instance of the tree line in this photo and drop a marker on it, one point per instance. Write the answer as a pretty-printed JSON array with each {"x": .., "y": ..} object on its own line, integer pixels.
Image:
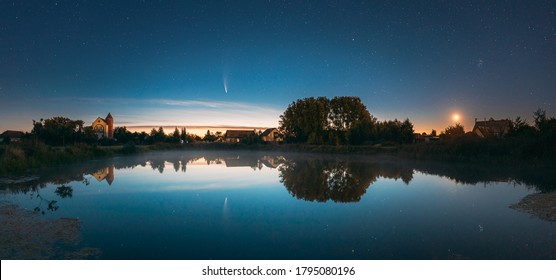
[
  {"x": 522, "y": 141},
  {"x": 61, "y": 131},
  {"x": 340, "y": 121}
]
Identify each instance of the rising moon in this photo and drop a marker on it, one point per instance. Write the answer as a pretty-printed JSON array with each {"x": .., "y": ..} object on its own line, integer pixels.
[{"x": 455, "y": 117}]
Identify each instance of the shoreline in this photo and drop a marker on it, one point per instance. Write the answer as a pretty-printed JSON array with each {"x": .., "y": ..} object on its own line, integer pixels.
[{"x": 20, "y": 159}]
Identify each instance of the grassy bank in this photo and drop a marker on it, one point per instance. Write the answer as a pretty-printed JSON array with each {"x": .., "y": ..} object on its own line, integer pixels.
[
  {"x": 20, "y": 157},
  {"x": 17, "y": 158}
]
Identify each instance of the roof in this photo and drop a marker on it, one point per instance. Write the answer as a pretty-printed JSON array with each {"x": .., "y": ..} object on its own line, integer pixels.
[
  {"x": 99, "y": 118},
  {"x": 238, "y": 133},
  {"x": 109, "y": 116},
  {"x": 12, "y": 133},
  {"x": 268, "y": 131},
  {"x": 491, "y": 127}
]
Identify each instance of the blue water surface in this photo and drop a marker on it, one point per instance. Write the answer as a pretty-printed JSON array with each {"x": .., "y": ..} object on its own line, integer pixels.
[{"x": 250, "y": 206}]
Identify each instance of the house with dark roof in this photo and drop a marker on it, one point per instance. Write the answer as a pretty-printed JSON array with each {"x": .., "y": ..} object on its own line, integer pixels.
[
  {"x": 12, "y": 135},
  {"x": 235, "y": 136},
  {"x": 491, "y": 128},
  {"x": 271, "y": 135}
]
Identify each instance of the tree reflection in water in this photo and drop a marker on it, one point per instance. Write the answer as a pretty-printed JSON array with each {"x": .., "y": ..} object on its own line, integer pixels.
[
  {"x": 320, "y": 178},
  {"x": 339, "y": 180}
]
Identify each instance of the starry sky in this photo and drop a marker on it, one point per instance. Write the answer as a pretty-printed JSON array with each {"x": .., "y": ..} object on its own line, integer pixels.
[{"x": 240, "y": 63}]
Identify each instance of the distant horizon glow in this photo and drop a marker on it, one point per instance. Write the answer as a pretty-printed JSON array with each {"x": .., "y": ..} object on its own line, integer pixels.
[
  {"x": 197, "y": 116},
  {"x": 154, "y": 113}
]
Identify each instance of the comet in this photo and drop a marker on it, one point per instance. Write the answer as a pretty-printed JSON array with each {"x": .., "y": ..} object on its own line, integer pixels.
[{"x": 225, "y": 82}]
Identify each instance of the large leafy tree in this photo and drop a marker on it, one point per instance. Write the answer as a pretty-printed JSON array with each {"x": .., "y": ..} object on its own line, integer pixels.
[
  {"x": 341, "y": 120},
  {"x": 58, "y": 131},
  {"x": 306, "y": 120},
  {"x": 349, "y": 120}
]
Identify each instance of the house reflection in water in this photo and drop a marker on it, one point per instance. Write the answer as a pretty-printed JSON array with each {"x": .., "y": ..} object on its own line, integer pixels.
[
  {"x": 254, "y": 162},
  {"x": 106, "y": 173},
  {"x": 239, "y": 161},
  {"x": 272, "y": 162}
]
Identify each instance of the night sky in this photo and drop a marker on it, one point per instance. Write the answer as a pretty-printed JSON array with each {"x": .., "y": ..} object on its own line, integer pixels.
[{"x": 240, "y": 63}]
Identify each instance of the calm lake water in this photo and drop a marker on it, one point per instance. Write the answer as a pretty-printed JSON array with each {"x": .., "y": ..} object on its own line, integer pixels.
[{"x": 251, "y": 205}]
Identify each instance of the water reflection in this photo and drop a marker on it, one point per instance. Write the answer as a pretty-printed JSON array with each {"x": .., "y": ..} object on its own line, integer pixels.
[
  {"x": 106, "y": 173},
  {"x": 312, "y": 178},
  {"x": 339, "y": 180},
  {"x": 542, "y": 178},
  {"x": 239, "y": 205},
  {"x": 64, "y": 191}
]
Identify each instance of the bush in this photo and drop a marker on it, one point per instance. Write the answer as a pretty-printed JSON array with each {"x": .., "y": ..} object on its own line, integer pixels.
[{"x": 129, "y": 148}]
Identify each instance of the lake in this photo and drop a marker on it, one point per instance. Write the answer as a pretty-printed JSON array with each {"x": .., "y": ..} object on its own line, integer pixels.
[{"x": 256, "y": 205}]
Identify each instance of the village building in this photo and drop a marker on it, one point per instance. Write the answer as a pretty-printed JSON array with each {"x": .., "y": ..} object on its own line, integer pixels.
[
  {"x": 272, "y": 135},
  {"x": 104, "y": 128},
  {"x": 491, "y": 128},
  {"x": 11, "y": 135},
  {"x": 235, "y": 136}
]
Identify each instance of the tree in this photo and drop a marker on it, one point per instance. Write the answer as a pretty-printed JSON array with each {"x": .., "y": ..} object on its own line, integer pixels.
[
  {"x": 540, "y": 118},
  {"x": 406, "y": 130},
  {"x": 183, "y": 134},
  {"x": 209, "y": 137},
  {"x": 341, "y": 120},
  {"x": 219, "y": 136},
  {"x": 520, "y": 128},
  {"x": 547, "y": 131},
  {"x": 58, "y": 130},
  {"x": 454, "y": 131},
  {"x": 176, "y": 136},
  {"x": 122, "y": 134},
  {"x": 160, "y": 133},
  {"x": 306, "y": 120},
  {"x": 389, "y": 131},
  {"x": 156, "y": 136},
  {"x": 349, "y": 120}
]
